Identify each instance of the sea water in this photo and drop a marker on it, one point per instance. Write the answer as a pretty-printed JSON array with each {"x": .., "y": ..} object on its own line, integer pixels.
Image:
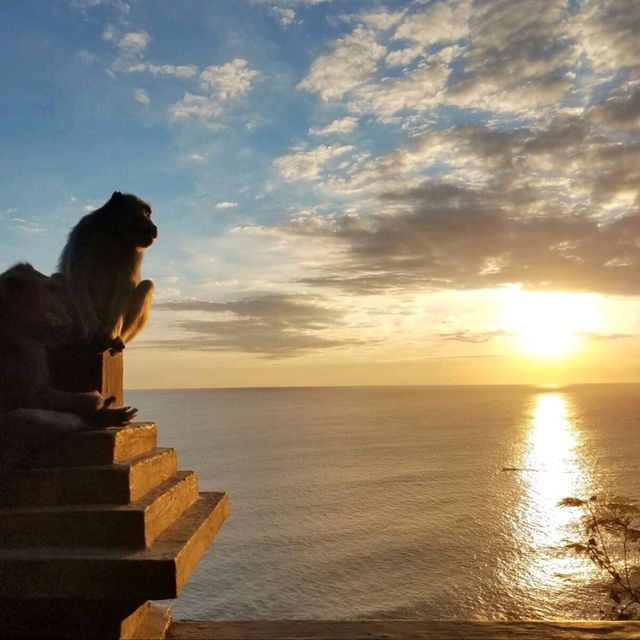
[{"x": 399, "y": 502}]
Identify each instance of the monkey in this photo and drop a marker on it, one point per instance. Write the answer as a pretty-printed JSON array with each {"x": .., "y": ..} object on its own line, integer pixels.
[
  {"x": 101, "y": 265},
  {"x": 33, "y": 415}
]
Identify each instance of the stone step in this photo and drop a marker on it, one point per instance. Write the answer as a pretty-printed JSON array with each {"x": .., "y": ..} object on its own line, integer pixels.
[
  {"x": 105, "y": 484},
  {"x": 135, "y": 525},
  {"x": 106, "y": 446},
  {"x": 155, "y": 573}
]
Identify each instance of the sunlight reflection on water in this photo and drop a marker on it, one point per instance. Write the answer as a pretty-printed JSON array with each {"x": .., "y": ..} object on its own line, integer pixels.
[{"x": 553, "y": 469}]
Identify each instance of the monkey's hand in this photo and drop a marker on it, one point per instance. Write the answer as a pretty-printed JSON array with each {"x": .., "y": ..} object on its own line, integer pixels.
[
  {"x": 116, "y": 346},
  {"x": 107, "y": 417},
  {"x": 103, "y": 341},
  {"x": 88, "y": 403}
]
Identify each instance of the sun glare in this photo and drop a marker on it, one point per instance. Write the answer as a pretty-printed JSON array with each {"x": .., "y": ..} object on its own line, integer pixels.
[{"x": 549, "y": 325}]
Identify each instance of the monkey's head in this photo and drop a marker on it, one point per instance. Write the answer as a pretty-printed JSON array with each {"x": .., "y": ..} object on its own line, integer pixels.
[
  {"x": 35, "y": 305},
  {"x": 131, "y": 219}
]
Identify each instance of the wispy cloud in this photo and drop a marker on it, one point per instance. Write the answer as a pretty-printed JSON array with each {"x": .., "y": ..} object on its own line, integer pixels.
[
  {"x": 344, "y": 125},
  {"x": 141, "y": 96},
  {"x": 273, "y": 326},
  {"x": 307, "y": 164},
  {"x": 226, "y": 205}
]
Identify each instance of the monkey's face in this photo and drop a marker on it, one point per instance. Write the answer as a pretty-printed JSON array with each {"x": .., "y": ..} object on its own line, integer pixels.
[
  {"x": 134, "y": 217},
  {"x": 37, "y": 304}
]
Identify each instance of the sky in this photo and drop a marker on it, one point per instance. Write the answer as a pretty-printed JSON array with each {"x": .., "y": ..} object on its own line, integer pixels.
[{"x": 347, "y": 193}]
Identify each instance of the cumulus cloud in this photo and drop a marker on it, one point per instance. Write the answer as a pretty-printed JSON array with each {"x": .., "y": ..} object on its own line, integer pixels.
[
  {"x": 225, "y": 84},
  {"x": 226, "y": 205},
  {"x": 273, "y": 326},
  {"x": 230, "y": 80}
]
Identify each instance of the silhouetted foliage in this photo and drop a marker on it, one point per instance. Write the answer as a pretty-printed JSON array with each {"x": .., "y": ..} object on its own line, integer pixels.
[{"x": 610, "y": 538}]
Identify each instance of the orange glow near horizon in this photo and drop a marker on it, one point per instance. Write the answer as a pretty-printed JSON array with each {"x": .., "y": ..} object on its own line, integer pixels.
[{"x": 549, "y": 325}]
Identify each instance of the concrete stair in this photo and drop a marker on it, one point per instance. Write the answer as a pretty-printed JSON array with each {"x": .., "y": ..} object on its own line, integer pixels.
[{"x": 95, "y": 528}]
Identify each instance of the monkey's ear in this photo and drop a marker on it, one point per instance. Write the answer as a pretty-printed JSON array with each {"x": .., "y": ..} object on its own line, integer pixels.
[{"x": 115, "y": 196}]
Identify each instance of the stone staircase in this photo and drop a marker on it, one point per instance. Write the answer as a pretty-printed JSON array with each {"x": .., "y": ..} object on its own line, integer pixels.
[{"x": 94, "y": 529}]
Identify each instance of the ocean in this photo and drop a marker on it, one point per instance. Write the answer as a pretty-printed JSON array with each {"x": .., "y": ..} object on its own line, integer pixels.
[{"x": 399, "y": 502}]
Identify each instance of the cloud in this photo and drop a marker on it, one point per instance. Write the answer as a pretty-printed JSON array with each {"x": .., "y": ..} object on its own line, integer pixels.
[
  {"x": 21, "y": 225},
  {"x": 131, "y": 47},
  {"x": 440, "y": 21},
  {"x": 141, "y": 96},
  {"x": 202, "y": 108},
  {"x": 286, "y": 16},
  {"x": 380, "y": 19},
  {"x": 351, "y": 62},
  {"x": 225, "y": 84},
  {"x": 515, "y": 60},
  {"x": 87, "y": 57},
  {"x": 178, "y": 70},
  {"x": 607, "y": 33},
  {"x": 340, "y": 126},
  {"x": 134, "y": 42},
  {"x": 620, "y": 110},
  {"x": 307, "y": 164},
  {"x": 285, "y": 10},
  {"x": 226, "y": 205},
  {"x": 473, "y": 337},
  {"x": 471, "y": 55},
  {"x": 448, "y": 236},
  {"x": 85, "y": 5},
  {"x": 229, "y": 81},
  {"x": 273, "y": 325}
]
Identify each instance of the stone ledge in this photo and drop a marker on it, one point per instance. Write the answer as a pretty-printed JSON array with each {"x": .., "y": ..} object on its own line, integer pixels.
[
  {"x": 108, "y": 484},
  {"x": 400, "y": 630},
  {"x": 134, "y": 525},
  {"x": 100, "y": 447},
  {"x": 159, "y": 572}
]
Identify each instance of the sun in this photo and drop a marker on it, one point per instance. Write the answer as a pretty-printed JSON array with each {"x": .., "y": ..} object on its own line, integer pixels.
[{"x": 549, "y": 325}]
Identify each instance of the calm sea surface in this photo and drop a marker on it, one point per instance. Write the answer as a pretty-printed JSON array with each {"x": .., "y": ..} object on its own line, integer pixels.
[{"x": 394, "y": 502}]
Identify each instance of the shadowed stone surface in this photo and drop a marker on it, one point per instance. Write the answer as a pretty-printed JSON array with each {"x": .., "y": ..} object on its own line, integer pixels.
[{"x": 97, "y": 620}]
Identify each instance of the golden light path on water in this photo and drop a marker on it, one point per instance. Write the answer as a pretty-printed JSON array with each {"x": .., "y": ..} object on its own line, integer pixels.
[{"x": 553, "y": 469}]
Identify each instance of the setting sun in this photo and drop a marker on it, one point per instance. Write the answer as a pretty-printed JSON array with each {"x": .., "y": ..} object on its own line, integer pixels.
[{"x": 550, "y": 325}]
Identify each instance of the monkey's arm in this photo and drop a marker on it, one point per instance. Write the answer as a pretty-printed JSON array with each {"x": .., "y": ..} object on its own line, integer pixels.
[{"x": 120, "y": 304}]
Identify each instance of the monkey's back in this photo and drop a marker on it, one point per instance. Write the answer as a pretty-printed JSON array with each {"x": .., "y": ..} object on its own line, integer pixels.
[{"x": 110, "y": 263}]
